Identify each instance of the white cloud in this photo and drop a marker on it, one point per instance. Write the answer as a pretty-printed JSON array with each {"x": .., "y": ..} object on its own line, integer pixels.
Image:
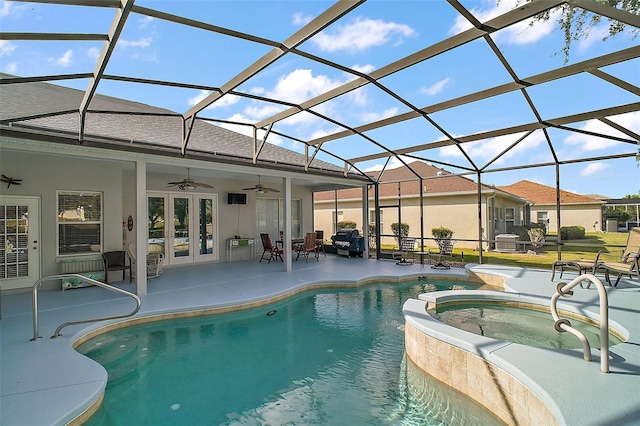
[
  {"x": 300, "y": 19},
  {"x": 224, "y": 101},
  {"x": 584, "y": 142},
  {"x": 6, "y": 48},
  {"x": 144, "y": 22},
  {"x": 364, "y": 69},
  {"x": 64, "y": 60},
  {"x": 520, "y": 33},
  {"x": 5, "y": 9},
  {"x": 435, "y": 88},
  {"x": 11, "y": 68},
  {"x": 361, "y": 34},
  {"x": 143, "y": 42},
  {"x": 93, "y": 53},
  {"x": 369, "y": 117},
  {"x": 259, "y": 112},
  {"x": 594, "y": 169},
  {"x": 490, "y": 148}
]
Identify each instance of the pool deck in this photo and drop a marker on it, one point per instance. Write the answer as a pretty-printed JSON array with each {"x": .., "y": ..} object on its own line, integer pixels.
[{"x": 46, "y": 382}]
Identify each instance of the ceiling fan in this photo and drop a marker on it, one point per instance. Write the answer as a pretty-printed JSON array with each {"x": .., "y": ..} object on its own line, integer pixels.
[
  {"x": 188, "y": 184},
  {"x": 260, "y": 189}
]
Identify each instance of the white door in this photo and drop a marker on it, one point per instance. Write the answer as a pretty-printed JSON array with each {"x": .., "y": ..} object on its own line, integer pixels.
[
  {"x": 180, "y": 231},
  {"x": 184, "y": 227},
  {"x": 19, "y": 242}
]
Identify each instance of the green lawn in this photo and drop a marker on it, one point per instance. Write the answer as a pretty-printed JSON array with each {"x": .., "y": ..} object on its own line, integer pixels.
[{"x": 611, "y": 245}]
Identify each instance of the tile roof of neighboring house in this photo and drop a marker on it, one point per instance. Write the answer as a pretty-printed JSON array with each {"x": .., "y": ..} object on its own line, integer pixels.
[
  {"x": 112, "y": 119},
  {"x": 542, "y": 194},
  {"x": 447, "y": 184}
]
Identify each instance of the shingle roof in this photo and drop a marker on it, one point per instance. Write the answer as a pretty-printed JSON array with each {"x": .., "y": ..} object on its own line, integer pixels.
[
  {"x": 438, "y": 181},
  {"x": 113, "y": 118},
  {"x": 542, "y": 194}
]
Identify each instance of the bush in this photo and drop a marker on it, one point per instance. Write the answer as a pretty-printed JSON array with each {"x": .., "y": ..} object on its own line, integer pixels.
[
  {"x": 441, "y": 233},
  {"x": 347, "y": 224},
  {"x": 572, "y": 232},
  {"x": 619, "y": 215},
  {"x": 523, "y": 231},
  {"x": 400, "y": 231}
]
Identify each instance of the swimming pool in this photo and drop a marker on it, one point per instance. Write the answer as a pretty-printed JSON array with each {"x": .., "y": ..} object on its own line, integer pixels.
[
  {"x": 517, "y": 324},
  {"x": 331, "y": 357}
]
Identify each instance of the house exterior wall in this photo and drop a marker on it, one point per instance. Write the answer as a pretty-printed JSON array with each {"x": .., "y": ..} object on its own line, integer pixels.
[
  {"x": 458, "y": 212},
  {"x": 585, "y": 215},
  {"x": 43, "y": 175}
]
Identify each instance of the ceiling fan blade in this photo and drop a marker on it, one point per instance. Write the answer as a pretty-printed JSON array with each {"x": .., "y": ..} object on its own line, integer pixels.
[
  {"x": 175, "y": 183},
  {"x": 266, "y": 189},
  {"x": 200, "y": 184},
  {"x": 249, "y": 189}
]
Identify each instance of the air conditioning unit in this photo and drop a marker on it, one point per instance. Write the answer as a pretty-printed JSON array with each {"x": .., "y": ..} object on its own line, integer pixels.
[{"x": 507, "y": 242}]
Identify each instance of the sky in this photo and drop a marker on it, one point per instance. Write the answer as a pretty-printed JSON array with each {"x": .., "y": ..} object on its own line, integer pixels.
[{"x": 366, "y": 39}]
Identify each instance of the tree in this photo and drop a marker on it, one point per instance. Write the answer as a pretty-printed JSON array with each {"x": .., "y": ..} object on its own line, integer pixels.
[{"x": 577, "y": 23}]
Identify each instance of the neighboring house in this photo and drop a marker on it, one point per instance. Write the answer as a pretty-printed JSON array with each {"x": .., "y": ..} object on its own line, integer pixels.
[
  {"x": 113, "y": 189},
  {"x": 447, "y": 200},
  {"x": 575, "y": 209}
]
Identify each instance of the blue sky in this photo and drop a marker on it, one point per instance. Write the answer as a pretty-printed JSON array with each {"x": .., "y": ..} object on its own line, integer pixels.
[{"x": 367, "y": 39}]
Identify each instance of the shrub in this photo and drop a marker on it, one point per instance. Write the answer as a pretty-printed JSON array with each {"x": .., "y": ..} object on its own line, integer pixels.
[
  {"x": 523, "y": 231},
  {"x": 441, "y": 233},
  {"x": 572, "y": 232},
  {"x": 347, "y": 224},
  {"x": 620, "y": 215},
  {"x": 400, "y": 231}
]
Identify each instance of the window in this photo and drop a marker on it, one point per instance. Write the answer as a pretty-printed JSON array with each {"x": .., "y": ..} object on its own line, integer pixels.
[
  {"x": 372, "y": 220},
  {"x": 510, "y": 218},
  {"x": 79, "y": 222}
]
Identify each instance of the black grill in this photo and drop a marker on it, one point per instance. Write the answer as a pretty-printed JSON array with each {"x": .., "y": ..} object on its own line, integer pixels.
[{"x": 348, "y": 242}]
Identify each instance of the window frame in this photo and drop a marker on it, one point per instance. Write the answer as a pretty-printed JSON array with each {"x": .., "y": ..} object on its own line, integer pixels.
[{"x": 59, "y": 223}]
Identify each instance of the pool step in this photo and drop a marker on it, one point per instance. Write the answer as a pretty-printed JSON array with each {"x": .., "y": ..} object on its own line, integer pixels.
[{"x": 121, "y": 356}]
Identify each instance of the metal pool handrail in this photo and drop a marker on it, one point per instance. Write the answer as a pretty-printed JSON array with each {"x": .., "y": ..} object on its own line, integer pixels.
[
  {"x": 38, "y": 283},
  {"x": 562, "y": 325}
]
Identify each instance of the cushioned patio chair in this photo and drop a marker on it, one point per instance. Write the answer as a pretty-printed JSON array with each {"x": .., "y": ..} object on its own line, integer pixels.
[
  {"x": 116, "y": 261},
  {"x": 273, "y": 252},
  {"x": 154, "y": 262},
  {"x": 309, "y": 246}
]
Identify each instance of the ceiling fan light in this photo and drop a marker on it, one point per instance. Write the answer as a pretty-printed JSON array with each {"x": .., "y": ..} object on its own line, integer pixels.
[
  {"x": 259, "y": 191},
  {"x": 186, "y": 187}
]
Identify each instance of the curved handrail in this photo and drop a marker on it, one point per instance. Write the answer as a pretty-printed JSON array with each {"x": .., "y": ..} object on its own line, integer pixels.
[
  {"x": 38, "y": 283},
  {"x": 562, "y": 325}
]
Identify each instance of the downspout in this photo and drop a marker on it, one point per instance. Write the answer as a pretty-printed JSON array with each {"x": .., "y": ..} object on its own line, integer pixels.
[{"x": 490, "y": 229}]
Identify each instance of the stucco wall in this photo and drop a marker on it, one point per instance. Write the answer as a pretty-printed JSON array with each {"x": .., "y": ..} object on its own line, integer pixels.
[{"x": 570, "y": 215}]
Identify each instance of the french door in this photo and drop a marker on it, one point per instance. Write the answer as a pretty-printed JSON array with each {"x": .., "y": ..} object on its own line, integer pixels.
[
  {"x": 183, "y": 227},
  {"x": 19, "y": 242}
]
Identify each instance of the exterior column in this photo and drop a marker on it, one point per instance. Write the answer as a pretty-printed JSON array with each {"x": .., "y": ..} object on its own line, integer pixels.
[
  {"x": 141, "y": 228},
  {"x": 286, "y": 184}
]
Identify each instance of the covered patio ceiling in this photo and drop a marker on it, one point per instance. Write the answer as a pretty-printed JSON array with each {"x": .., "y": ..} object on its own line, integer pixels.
[{"x": 382, "y": 103}]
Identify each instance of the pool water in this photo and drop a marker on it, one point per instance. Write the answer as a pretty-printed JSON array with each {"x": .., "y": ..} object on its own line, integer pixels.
[
  {"x": 516, "y": 324},
  {"x": 331, "y": 358}
]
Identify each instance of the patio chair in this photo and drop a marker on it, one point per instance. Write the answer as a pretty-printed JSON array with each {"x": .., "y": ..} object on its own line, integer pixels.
[
  {"x": 445, "y": 249},
  {"x": 273, "y": 252},
  {"x": 623, "y": 265},
  {"x": 154, "y": 262},
  {"x": 116, "y": 261},
  {"x": 628, "y": 262},
  {"x": 407, "y": 247},
  {"x": 309, "y": 246},
  {"x": 320, "y": 242}
]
